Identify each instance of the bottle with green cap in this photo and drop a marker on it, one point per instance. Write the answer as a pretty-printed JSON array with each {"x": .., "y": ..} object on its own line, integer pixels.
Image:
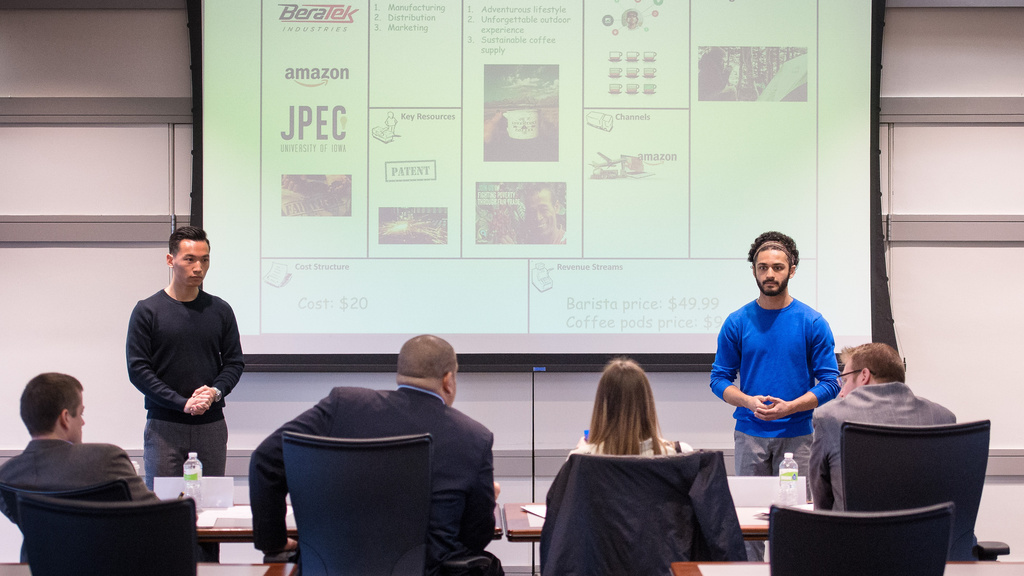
[
  {"x": 789, "y": 474},
  {"x": 193, "y": 469}
]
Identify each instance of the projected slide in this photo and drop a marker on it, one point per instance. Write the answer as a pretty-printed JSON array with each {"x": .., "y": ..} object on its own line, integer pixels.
[{"x": 530, "y": 177}]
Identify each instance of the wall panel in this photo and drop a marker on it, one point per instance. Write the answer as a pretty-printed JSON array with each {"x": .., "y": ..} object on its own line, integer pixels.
[
  {"x": 957, "y": 169},
  {"x": 57, "y": 170}
]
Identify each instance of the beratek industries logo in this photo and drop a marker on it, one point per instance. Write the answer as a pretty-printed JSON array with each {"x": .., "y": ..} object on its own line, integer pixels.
[{"x": 322, "y": 13}]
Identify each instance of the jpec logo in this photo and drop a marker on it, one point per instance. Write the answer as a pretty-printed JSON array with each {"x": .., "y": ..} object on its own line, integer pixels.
[{"x": 327, "y": 13}]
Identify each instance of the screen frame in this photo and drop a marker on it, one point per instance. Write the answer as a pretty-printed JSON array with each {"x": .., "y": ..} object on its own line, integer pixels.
[{"x": 882, "y": 322}]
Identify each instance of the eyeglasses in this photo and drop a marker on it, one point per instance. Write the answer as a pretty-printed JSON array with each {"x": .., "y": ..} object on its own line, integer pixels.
[{"x": 845, "y": 374}]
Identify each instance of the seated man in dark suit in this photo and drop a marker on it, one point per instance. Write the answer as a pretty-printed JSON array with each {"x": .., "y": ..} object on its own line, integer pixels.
[
  {"x": 872, "y": 392},
  {"x": 56, "y": 459},
  {"x": 462, "y": 471}
]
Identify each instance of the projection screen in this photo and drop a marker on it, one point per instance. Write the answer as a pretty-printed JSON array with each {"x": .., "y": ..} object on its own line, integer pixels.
[{"x": 535, "y": 182}]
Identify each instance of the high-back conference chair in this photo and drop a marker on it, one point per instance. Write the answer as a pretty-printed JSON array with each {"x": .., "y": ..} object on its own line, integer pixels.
[
  {"x": 362, "y": 506},
  {"x": 113, "y": 491},
  {"x": 900, "y": 543},
  {"x": 109, "y": 538},
  {"x": 897, "y": 467},
  {"x": 635, "y": 515}
]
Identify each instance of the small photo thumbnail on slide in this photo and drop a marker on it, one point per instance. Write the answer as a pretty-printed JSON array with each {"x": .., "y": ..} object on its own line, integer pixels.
[
  {"x": 520, "y": 213},
  {"x": 316, "y": 195},
  {"x": 631, "y": 19},
  {"x": 413, "y": 225},
  {"x": 520, "y": 113},
  {"x": 752, "y": 73}
]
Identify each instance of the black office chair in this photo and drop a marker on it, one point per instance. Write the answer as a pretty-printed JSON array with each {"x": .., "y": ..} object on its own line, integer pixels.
[
  {"x": 108, "y": 538},
  {"x": 636, "y": 515},
  {"x": 113, "y": 491},
  {"x": 898, "y": 467},
  {"x": 900, "y": 543},
  {"x": 362, "y": 506}
]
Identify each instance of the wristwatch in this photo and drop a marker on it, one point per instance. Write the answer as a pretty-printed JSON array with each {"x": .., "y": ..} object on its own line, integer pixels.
[{"x": 217, "y": 394}]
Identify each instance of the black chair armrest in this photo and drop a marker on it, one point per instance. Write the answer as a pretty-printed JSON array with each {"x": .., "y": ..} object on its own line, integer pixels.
[
  {"x": 466, "y": 565},
  {"x": 990, "y": 550}
]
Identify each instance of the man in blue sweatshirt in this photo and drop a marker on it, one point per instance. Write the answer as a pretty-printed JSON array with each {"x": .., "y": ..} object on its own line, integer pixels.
[{"x": 784, "y": 354}]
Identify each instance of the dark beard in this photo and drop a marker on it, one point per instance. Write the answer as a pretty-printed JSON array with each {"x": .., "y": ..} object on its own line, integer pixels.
[{"x": 781, "y": 288}]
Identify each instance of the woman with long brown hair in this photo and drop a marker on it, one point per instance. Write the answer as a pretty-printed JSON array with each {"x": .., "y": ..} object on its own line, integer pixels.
[{"x": 624, "y": 421}]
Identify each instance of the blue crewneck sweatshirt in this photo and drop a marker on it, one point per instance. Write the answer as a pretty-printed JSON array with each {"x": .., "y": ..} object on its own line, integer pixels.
[{"x": 782, "y": 353}]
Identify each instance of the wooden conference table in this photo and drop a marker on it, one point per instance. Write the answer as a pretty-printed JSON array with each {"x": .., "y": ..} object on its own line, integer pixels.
[
  {"x": 521, "y": 526},
  {"x": 764, "y": 569},
  {"x": 203, "y": 570},
  {"x": 229, "y": 525}
]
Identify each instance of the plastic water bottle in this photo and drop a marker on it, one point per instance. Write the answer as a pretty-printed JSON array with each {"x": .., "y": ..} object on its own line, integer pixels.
[
  {"x": 194, "y": 479},
  {"x": 788, "y": 477}
]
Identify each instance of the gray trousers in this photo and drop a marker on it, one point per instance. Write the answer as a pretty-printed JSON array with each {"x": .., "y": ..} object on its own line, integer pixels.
[
  {"x": 166, "y": 446},
  {"x": 756, "y": 456}
]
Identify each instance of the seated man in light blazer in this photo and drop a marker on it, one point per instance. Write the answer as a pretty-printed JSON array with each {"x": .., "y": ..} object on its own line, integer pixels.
[
  {"x": 872, "y": 392},
  {"x": 56, "y": 459}
]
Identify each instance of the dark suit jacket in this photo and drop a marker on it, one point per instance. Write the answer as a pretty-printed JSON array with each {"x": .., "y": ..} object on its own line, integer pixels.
[
  {"x": 59, "y": 465},
  {"x": 637, "y": 515},
  {"x": 889, "y": 403},
  {"x": 462, "y": 470}
]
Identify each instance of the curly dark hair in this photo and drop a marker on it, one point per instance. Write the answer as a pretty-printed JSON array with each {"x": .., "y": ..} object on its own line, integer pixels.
[{"x": 779, "y": 241}]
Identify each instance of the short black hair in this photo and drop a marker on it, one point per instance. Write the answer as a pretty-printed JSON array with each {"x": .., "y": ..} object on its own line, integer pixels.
[
  {"x": 427, "y": 356},
  {"x": 779, "y": 241},
  {"x": 45, "y": 398},
  {"x": 192, "y": 233}
]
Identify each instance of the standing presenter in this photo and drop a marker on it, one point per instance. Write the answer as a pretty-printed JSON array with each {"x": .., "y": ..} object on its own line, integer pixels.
[
  {"x": 184, "y": 355},
  {"x": 784, "y": 353}
]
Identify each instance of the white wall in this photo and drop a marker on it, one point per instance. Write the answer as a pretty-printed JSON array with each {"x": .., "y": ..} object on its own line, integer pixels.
[
  {"x": 65, "y": 307},
  {"x": 956, "y": 303}
]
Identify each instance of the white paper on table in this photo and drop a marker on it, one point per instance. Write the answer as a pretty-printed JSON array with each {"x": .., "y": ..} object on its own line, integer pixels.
[
  {"x": 535, "y": 514},
  {"x": 750, "y": 515},
  {"x": 535, "y": 509},
  {"x": 209, "y": 516}
]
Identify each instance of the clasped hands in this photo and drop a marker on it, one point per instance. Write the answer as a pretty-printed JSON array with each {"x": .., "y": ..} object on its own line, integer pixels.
[
  {"x": 200, "y": 401},
  {"x": 770, "y": 407}
]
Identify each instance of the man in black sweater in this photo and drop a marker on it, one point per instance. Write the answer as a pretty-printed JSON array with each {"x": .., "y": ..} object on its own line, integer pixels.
[{"x": 184, "y": 355}]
